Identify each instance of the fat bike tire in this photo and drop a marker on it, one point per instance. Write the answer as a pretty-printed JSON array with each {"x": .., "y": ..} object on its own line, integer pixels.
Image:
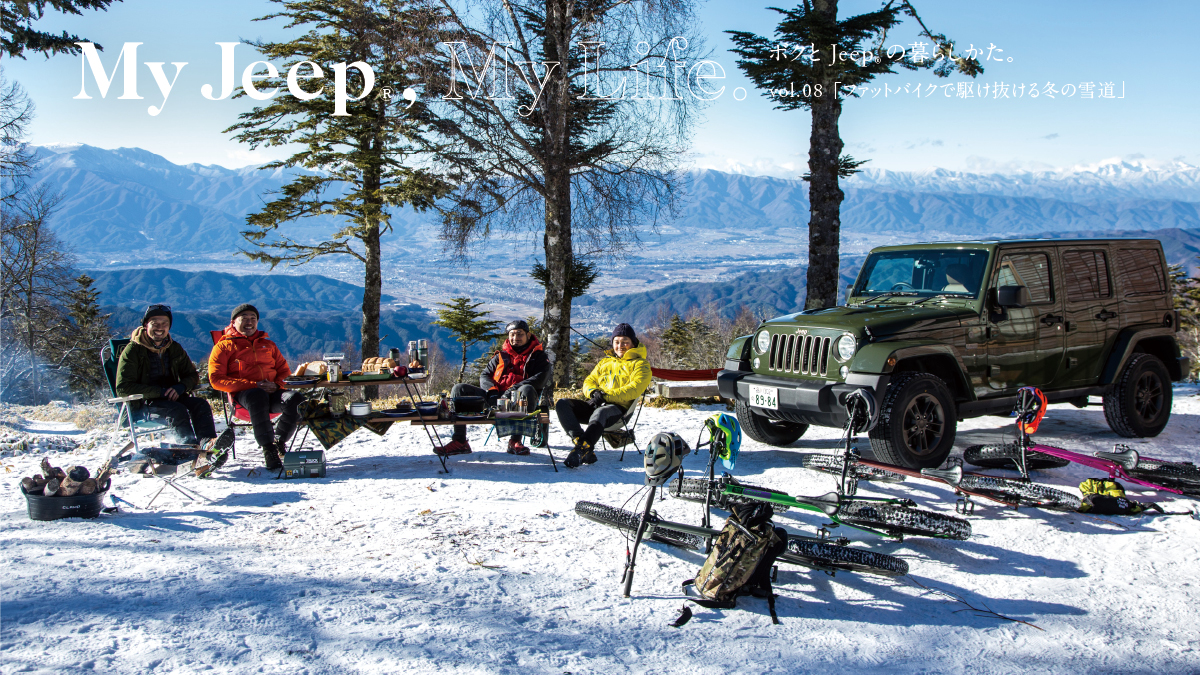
[
  {"x": 903, "y": 520},
  {"x": 1025, "y": 494},
  {"x": 1179, "y": 475},
  {"x": 627, "y": 521},
  {"x": 833, "y": 464},
  {"x": 1007, "y": 456},
  {"x": 826, "y": 555},
  {"x": 695, "y": 489}
]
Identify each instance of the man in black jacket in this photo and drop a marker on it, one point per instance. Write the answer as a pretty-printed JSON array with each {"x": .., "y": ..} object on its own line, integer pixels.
[{"x": 518, "y": 371}]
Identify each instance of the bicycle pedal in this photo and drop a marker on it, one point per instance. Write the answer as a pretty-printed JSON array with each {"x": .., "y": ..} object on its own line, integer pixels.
[
  {"x": 964, "y": 507},
  {"x": 841, "y": 541}
]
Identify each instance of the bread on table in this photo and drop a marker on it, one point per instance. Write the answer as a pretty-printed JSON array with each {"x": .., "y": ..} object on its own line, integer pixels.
[{"x": 312, "y": 368}]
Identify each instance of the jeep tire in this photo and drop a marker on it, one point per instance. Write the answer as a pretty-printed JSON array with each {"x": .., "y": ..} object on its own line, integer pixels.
[
  {"x": 766, "y": 430},
  {"x": 1139, "y": 404},
  {"x": 917, "y": 422}
]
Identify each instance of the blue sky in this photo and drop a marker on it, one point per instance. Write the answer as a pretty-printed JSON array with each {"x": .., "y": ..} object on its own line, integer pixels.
[{"x": 1142, "y": 47}]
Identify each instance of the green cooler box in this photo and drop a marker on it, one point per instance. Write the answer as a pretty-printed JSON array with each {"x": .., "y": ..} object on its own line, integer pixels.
[{"x": 310, "y": 464}]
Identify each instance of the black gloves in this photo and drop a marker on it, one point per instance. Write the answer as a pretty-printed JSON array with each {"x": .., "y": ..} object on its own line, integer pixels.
[
  {"x": 179, "y": 389},
  {"x": 597, "y": 398},
  {"x": 493, "y": 396}
]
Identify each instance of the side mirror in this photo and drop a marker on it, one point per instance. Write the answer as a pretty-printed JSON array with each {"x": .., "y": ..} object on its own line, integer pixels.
[{"x": 1012, "y": 296}]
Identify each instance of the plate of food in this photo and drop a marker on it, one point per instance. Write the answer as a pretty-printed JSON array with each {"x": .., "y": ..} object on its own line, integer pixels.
[
  {"x": 300, "y": 380},
  {"x": 359, "y": 376},
  {"x": 397, "y": 412}
]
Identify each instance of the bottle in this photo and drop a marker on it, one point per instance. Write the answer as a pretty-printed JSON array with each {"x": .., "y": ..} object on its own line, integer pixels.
[
  {"x": 444, "y": 408},
  {"x": 394, "y": 354}
]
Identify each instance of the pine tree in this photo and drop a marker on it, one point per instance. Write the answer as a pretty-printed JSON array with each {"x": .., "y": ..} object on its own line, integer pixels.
[
  {"x": 467, "y": 324},
  {"x": 18, "y": 34},
  {"x": 90, "y": 331},
  {"x": 800, "y": 70},
  {"x": 359, "y": 166}
]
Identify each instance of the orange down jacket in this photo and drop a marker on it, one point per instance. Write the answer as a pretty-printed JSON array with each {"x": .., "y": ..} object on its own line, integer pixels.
[{"x": 238, "y": 363}]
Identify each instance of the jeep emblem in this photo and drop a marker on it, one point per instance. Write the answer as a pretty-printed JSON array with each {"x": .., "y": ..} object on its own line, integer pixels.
[{"x": 801, "y": 331}]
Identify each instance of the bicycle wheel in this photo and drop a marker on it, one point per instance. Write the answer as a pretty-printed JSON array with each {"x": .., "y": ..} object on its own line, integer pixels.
[
  {"x": 627, "y": 521},
  {"x": 833, "y": 464},
  {"x": 1025, "y": 494},
  {"x": 1006, "y": 456},
  {"x": 825, "y": 555},
  {"x": 694, "y": 490},
  {"x": 1178, "y": 475},
  {"x": 895, "y": 519}
]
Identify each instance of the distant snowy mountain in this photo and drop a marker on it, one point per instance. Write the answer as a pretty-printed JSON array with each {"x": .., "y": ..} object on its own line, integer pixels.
[
  {"x": 130, "y": 205},
  {"x": 1111, "y": 180}
]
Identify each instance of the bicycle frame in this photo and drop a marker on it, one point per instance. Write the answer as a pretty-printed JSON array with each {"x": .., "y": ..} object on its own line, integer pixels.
[
  {"x": 829, "y": 505},
  {"x": 913, "y": 473},
  {"x": 1114, "y": 470},
  {"x": 1027, "y": 423}
]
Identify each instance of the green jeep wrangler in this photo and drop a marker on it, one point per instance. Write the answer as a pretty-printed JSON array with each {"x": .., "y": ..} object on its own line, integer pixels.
[{"x": 945, "y": 331}]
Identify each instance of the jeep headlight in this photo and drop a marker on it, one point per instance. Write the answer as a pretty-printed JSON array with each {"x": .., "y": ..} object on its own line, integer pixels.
[
  {"x": 763, "y": 341},
  {"x": 846, "y": 346}
]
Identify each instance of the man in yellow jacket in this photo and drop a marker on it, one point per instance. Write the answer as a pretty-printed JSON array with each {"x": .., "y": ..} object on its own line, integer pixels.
[{"x": 613, "y": 385}]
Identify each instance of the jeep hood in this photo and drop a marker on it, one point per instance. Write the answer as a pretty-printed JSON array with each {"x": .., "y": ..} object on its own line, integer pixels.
[{"x": 880, "y": 321}]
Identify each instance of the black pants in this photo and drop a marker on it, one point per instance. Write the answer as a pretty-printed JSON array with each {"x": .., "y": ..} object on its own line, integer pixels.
[
  {"x": 191, "y": 417},
  {"x": 571, "y": 410},
  {"x": 260, "y": 405},
  {"x": 524, "y": 392}
]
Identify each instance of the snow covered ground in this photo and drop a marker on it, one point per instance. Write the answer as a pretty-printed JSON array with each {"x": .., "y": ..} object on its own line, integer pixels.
[{"x": 386, "y": 565}]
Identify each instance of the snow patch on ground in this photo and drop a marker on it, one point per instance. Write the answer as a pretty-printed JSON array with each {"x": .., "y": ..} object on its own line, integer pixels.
[{"x": 388, "y": 565}]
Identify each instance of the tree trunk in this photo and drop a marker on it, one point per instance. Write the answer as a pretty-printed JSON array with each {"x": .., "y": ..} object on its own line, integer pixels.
[
  {"x": 824, "y": 195},
  {"x": 372, "y": 276},
  {"x": 462, "y": 370},
  {"x": 558, "y": 243}
]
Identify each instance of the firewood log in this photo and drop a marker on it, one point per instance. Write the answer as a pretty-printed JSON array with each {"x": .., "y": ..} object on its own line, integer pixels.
[
  {"x": 87, "y": 487},
  {"x": 104, "y": 470},
  {"x": 51, "y": 489},
  {"x": 69, "y": 487},
  {"x": 79, "y": 473},
  {"x": 32, "y": 485},
  {"x": 52, "y": 471}
]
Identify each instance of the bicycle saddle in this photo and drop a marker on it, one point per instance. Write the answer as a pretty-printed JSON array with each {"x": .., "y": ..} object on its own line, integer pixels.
[
  {"x": 1127, "y": 457},
  {"x": 952, "y": 476}
]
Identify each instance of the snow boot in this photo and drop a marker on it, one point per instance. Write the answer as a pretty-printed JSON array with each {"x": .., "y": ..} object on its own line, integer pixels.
[
  {"x": 453, "y": 448},
  {"x": 271, "y": 459},
  {"x": 516, "y": 447},
  {"x": 581, "y": 453}
]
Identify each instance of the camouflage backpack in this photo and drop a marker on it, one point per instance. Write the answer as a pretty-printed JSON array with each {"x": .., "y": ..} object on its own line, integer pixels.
[{"x": 741, "y": 560}]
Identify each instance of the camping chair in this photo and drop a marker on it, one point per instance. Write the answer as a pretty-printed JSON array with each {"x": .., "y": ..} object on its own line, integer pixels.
[
  {"x": 159, "y": 459},
  {"x": 620, "y": 433},
  {"x": 235, "y": 415}
]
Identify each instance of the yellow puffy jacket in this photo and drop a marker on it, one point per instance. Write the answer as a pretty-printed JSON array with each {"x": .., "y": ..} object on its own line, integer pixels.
[{"x": 621, "y": 379}]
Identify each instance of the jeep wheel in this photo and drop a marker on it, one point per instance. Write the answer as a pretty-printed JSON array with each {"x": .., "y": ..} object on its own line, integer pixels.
[
  {"x": 766, "y": 430},
  {"x": 1140, "y": 403},
  {"x": 917, "y": 422}
]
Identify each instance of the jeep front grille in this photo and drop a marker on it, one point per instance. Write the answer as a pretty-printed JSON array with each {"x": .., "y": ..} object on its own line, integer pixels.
[{"x": 804, "y": 354}]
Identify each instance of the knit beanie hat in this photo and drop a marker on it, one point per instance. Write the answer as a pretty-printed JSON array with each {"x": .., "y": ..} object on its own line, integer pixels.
[
  {"x": 625, "y": 330},
  {"x": 157, "y": 310},
  {"x": 244, "y": 307}
]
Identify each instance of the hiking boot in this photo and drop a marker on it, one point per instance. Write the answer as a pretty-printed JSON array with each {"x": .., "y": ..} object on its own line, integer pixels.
[
  {"x": 453, "y": 448},
  {"x": 581, "y": 453},
  {"x": 516, "y": 447},
  {"x": 271, "y": 459}
]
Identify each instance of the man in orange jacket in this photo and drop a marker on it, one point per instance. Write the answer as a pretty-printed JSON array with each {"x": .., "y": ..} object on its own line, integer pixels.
[{"x": 249, "y": 366}]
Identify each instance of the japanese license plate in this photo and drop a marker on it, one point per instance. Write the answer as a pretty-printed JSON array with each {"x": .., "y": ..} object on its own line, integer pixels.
[{"x": 764, "y": 397}]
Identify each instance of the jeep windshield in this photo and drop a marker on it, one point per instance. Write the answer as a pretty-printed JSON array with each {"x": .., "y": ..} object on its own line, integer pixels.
[{"x": 950, "y": 273}]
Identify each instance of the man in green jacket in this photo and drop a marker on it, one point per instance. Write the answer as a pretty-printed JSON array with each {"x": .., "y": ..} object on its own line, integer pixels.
[{"x": 159, "y": 369}]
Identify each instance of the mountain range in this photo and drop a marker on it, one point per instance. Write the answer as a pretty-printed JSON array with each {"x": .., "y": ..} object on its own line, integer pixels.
[{"x": 130, "y": 205}]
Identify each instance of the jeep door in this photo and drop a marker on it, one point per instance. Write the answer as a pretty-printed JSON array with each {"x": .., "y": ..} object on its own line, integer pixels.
[
  {"x": 1025, "y": 344},
  {"x": 1090, "y": 312}
]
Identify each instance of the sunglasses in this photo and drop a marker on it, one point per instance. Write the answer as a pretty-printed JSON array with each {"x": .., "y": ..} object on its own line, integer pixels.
[{"x": 156, "y": 308}]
